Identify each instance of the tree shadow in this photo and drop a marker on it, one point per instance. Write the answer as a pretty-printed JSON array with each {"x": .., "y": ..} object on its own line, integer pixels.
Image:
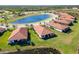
[
  {"x": 32, "y": 43},
  {"x": 2, "y": 33},
  {"x": 69, "y": 31},
  {"x": 71, "y": 24},
  {"x": 75, "y": 21},
  {"x": 38, "y": 51}
]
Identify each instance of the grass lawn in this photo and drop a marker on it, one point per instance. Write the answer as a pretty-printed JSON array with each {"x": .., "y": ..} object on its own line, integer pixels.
[
  {"x": 66, "y": 43},
  {"x": 1, "y": 19}
]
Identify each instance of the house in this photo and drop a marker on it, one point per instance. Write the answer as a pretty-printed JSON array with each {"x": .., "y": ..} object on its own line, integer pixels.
[
  {"x": 20, "y": 35},
  {"x": 43, "y": 32},
  {"x": 2, "y": 30},
  {"x": 58, "y": 26},
  {"x": 65, "y": 16},
  {"x": 64, "y": 22}
]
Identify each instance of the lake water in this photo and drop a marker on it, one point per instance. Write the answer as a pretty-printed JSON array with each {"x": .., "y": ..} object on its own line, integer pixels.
[{"x": 31, "y": 19}]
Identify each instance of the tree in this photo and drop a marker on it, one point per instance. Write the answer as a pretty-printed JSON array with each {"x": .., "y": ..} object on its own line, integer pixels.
[{"x": 6, "y": 18}]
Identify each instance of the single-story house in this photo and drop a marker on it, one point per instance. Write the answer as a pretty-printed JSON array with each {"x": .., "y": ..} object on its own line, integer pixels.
[
  {"x": 20, "y": 35},
  {"x": 58, "y": 26},
  {"x": 43, "y": 32},
  {"x": 66, "y": 16},
  {"x": 63, "y": 21},
  {"x": 2, "y": 30}
]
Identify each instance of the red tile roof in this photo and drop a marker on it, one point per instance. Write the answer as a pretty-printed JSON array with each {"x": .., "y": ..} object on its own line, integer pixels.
[
  {"x": 57, "y": 25},
  {"x": 18, "y": 34},
  {"x": 62, "y": 21},
  {"x": 42, "y": 30},
  {"x": 65, "y": 16}
]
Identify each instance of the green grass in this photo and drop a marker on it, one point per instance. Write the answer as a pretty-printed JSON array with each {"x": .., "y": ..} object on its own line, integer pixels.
[
  {"x": 60, "y": 42},
  {"x": 1, "y": 19},
  {"x": 66, "y": 43}
]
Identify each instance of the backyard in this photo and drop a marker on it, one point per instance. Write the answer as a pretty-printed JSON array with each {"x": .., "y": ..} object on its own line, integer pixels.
[{"x": 64, "y": 42}]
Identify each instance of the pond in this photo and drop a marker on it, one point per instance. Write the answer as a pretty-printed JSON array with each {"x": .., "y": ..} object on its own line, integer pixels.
[{"x": 32, "y": 19}]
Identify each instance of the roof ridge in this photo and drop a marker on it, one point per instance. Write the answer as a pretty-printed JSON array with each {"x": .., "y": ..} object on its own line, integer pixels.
[
  {"x": 16, "y": 31},
  {"x": 13, "y": 35}
]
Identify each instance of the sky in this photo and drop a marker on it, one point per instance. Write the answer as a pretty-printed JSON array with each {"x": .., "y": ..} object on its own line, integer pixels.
[{"x": 39, "y": 2}]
